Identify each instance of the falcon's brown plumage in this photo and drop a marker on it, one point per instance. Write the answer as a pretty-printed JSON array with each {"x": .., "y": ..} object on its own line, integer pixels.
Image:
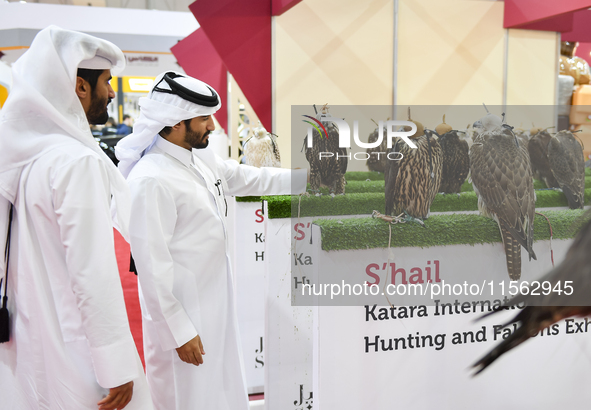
[
  {"x": 537, "y": 148},
  {"x": 327, "y": 171},
  {"x": 568, "y": 167},
  {"x": 522, "y": 137},
  {"x": 377, "y": 162},
  {"x": 551, "y": 308},
  {"x": 502, "y": 179},
  {"x": 412, "y": 183},
  {"x": 456, "y": 162}
]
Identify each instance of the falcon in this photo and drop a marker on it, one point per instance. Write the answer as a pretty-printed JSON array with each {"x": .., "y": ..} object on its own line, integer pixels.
[
  {"x": 469, "y": 134},
  {"x": 261, "y": 150},
  {"x": 377, "y": 162},
  {"x": 412, "y": 182},
  {"x": 456, "y": 161},
  {"x": 502, "y": 180},
  {"x": 522, "y": 136},
  {"x": 568, "y": 167},
  {"x": 328, "y": 171},
  {"x": 538, "y": 155},
  {"x": 555, "y": 306}
]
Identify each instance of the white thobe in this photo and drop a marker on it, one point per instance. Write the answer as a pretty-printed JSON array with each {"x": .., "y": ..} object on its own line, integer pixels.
[
  {"x": 179, "y": 244},
  {"x": 70, "y": 338}
]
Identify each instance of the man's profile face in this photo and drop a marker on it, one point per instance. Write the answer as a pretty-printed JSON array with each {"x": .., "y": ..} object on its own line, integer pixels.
[
  {"x": 101, "y": 96},
  {"x": 198, "y": 130}
]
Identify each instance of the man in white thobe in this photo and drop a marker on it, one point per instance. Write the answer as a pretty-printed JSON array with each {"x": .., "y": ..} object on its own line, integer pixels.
[
  {"x": 70, "y": 345},
  {"x": 179, "y": 242}
]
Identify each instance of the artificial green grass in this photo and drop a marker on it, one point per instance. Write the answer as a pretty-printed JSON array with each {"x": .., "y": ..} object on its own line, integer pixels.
[
  {"x": 359, "y": 186},
  {"x": 363, "y": 176},
  {"x": 366, "y": 203},
  {"x": 248, "y": 199},
  {"x": 356, "y": 187},
  {"x": 439, "y": 230},
  {"x": 467, "y": 186}
]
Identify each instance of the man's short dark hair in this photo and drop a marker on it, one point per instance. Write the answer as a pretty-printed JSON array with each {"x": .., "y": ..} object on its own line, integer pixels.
[
  {"x": 91, "y": 76},
  {"x": 167, "y": 130},
  {"x": 126, "y": 116}
]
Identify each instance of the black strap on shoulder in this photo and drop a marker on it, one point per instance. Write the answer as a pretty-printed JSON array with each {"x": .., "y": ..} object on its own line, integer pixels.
[
  {"x": 4, "y": 318},
  {"x": 7, "y": 247},
  {"x": 132, "y": 267}
]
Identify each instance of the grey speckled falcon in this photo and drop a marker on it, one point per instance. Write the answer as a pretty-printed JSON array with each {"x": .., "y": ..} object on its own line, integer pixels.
[
  {"x": 502, "y": 179},
  {"x": 412, "y": 183},
  {"x": 543, "y": 311},
  {"x": 568, "y": 167}
]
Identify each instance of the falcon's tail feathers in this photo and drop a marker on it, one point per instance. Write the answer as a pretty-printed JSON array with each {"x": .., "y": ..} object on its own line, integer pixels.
[{"x": 513, "y": 254}]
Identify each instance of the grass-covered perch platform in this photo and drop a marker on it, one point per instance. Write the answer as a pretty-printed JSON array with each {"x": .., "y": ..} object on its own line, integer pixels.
[
  {"x": 363, "y": 204},
  {"x": 365, "y": 193},
  {"x": 439, "y": 230},
  {"x": 359, "y": 186}
]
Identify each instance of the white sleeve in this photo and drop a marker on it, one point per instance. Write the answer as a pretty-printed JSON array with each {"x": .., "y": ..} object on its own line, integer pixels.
[
  {"x": 246, "y": 180},
  {"x": 153, "y": 218},
  {"x": 81, "y": 196}
]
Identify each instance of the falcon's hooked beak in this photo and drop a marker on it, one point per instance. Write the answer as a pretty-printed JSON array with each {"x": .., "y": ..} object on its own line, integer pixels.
[{"x": 477, "y": 126}]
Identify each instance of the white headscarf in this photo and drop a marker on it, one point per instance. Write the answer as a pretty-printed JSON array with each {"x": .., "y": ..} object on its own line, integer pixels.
[
  {"x": 157, "y": 111},
  {"x": 43, "y": 110}
]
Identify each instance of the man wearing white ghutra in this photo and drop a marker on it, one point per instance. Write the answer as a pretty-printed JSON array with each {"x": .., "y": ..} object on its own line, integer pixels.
[
  {"x": 70, "y": 345},
  {"x": 179, "y": 243}
]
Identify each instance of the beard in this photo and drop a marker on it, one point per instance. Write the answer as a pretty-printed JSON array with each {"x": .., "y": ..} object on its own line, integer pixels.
[
  {"x": 97, "y": 112},
  {"x": 195, "y": 139}
]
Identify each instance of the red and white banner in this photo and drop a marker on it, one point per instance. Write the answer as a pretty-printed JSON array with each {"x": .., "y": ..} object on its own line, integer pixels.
[{"x": 382, "y": 357}]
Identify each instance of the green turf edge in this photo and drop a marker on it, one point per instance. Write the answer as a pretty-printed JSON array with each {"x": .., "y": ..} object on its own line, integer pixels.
[
  {"x": 248, "y": 199},
  {"x": 366, "y": 203},
  {"x": 355, "y": 187},
  {"x": 439, "y": 230},
  {"x": 363, "y": 176}
]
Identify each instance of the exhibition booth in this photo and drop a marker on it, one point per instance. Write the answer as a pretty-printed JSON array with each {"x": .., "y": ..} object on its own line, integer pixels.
[{"x": 289, "y": 66}]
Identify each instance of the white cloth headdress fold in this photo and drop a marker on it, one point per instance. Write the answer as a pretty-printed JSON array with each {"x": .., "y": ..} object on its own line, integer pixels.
[{"x": 159, "y": 110}]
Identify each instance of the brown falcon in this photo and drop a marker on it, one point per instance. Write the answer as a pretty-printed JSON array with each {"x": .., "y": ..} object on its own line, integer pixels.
[
  {"x": 542, "y": 310},
  {"x": 377, "y": 162},
  {"x": 522, "y": 136},
  {"x": 327, "y": 171},
  {"x": 456, "y": 161},
  {"x": 568, "y": 167},
  {"x": 537, "y": 148},
  {"x": 502, "y": 179},
  {"x": 412, "y": 182}
]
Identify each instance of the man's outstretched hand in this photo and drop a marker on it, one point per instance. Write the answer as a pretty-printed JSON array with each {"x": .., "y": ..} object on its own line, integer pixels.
[
  {"x": 117, "y": 398},
  {"x": 192, "y": 352}
]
